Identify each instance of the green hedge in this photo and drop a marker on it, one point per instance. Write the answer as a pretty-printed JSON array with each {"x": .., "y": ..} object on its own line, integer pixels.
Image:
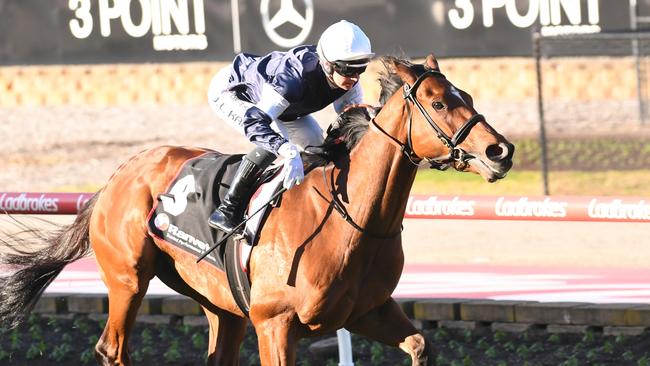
[{"x": 585, "y": 154}]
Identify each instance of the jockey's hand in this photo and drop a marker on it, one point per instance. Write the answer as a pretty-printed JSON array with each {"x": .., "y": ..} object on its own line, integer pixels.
[{"x": 293, "y": 170}]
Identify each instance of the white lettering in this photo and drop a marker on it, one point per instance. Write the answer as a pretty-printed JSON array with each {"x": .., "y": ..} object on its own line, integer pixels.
[
  {"x": 199, "y": 17},
  {"x": 524, "y": 14},
  {"x": 463, "y": 21},
  {"x": 156, "y": 26},
  {"x": 437, "y": 207},
  {"x": 170, "y": 9},
  {"x": 525, "y": 208},
  {"x": 526, "y": 20},
  {"x": 81, "y": 202},
  {"x": 106, "y": 13},
  {"x": 616, "y": 209},
  {"x": 23, "y": 203},
  {"x": 569, "y": 29},
  {"x": 175, "y": 202},
  {"x": 83, "y": 25},
  {"x": 545, "y": 12},
  {"x": 180, "y": 42},
  {"x": 571, "y": 9},
  {"x": 137, "y": 31},
  {"x": 161, "y": 17},
  {"x": 186, "y": 238},
  {"x": 488, "y": 7},
  {"x": 593, "y": 11}
]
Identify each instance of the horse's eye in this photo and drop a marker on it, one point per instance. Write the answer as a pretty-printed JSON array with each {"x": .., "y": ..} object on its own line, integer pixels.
[{"x": 438, "y": 106}]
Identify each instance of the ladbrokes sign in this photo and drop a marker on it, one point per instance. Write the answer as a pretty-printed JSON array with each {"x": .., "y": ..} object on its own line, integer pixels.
[
  {"x": 42, "y": 203},
  {"x": 545, "y": 208},
  {"x": 576, "y": 208},
  {"x": 20, "y": 202}
]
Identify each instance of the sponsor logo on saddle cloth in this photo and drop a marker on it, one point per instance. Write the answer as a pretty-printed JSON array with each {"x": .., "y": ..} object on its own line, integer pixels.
[
  {"x": 179, "y": 216},
  {"x": 175, "y": 234}
]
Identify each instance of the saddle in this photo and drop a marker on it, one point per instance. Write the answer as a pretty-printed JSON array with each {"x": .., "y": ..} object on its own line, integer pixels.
[{"x": 179, "y": 216}]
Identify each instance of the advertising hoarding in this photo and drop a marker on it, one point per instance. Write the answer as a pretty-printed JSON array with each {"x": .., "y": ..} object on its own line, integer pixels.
[{"x": 131, "y": 31}]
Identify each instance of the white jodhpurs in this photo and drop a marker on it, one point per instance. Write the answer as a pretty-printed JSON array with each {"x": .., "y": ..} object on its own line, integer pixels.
[{"x": 302, "y": 132}]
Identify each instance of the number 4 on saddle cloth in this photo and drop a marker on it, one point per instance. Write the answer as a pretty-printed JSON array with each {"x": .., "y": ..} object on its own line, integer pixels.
[{"x": 179, "y": 216}]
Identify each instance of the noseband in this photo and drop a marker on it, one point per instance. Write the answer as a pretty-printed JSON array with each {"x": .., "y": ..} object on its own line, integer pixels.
[{"x": 456, "y": 154}]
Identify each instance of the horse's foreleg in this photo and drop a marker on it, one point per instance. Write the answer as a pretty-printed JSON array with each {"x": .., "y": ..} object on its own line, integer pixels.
[
  {"x": 389, "y": 325},
  {"x": 277, "y": 341},
  {"x": 226, "y": 336}
]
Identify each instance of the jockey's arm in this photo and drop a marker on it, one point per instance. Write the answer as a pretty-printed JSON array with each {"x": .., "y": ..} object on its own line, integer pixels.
[
  {"x": 257, "y": 126},
  {"x": 258, "y": 119},
  {"x": 352, "y": 96}
]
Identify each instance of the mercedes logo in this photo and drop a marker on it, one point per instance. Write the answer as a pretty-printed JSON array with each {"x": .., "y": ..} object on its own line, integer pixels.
[{"x": 287, "y": 14}]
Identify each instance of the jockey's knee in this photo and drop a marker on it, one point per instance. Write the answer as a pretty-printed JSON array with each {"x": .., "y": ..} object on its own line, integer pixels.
[
  {"x": 262, "y": 158},
  {"x": 304, "y": 132}
]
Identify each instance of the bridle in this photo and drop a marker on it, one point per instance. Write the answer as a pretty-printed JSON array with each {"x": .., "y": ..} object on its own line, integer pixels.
[{"x": 457, "y": 157}]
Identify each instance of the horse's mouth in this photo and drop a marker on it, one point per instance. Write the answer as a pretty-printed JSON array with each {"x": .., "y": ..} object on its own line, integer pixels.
[{"x": 489, "y": 172}]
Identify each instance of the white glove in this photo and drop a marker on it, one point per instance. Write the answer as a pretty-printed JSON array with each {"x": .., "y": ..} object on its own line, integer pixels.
[{"x": 293, "y": 170}]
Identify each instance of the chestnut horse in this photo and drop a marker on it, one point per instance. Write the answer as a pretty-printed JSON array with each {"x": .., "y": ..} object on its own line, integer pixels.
[{"x": 328, "y": 257}]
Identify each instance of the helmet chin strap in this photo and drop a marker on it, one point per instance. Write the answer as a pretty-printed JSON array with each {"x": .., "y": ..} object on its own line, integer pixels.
[
  {"x": 328, "y": 69},
  {"x": 326, "y": 65}
]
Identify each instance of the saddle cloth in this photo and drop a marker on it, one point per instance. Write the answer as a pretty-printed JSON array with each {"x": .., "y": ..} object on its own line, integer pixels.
[{"x": 179, "y": 216}]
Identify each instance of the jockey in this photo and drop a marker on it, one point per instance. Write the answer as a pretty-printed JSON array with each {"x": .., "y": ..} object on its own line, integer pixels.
[{"x": 269, "y": 99}]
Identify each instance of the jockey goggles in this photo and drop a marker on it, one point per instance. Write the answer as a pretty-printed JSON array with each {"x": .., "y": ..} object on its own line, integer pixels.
[{"x": 350, "y": 68}]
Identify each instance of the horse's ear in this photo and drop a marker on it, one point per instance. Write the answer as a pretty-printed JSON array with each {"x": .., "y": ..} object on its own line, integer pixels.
[
  {"x": 432, "y": 62},
  {"x": 404, "y": 71}
]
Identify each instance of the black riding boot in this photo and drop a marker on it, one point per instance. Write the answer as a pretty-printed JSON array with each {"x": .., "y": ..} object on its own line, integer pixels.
[{"x": 230, "y": 212}]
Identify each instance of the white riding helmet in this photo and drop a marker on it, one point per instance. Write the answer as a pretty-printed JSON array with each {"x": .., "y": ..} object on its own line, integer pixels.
[{"x": 344, "y": 41}]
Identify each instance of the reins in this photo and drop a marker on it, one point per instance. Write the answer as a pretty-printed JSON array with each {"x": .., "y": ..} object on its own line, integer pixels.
[
  {"x": 455, "y": 155},
  {"x": 337, "y": 205}
]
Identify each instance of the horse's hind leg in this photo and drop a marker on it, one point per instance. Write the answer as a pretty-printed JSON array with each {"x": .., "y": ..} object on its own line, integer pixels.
[
  {"x": 227, "y": 333},
  {"x": 388, "y": 324},
  {"x": 127, "y": 266},
  {"x": 227, "y": 330}
]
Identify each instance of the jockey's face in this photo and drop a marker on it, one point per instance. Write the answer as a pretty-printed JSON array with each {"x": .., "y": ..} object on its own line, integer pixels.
[
  {"x": 346, "y": 73},
  {"x": 345, "y": 82}
]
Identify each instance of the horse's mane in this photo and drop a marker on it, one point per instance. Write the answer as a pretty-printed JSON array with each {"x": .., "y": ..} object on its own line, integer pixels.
[{"x": 351, "y": 125}]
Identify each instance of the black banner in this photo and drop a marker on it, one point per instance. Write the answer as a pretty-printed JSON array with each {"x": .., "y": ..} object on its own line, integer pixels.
[
  {"x": 124, "y": 31},
  {"x": 643, "y": 11},
  {"x": 114, "y": 31}
]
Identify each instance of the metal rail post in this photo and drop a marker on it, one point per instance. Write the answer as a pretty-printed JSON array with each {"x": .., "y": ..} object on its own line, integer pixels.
[
  {"x": 540, "y": 109},
  {"x": 634, "y": 15},
  {"x": 345, "y": 347}
]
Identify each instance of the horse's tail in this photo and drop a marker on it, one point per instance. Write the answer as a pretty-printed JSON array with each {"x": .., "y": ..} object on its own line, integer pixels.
[{"x": 38, "y": 260}]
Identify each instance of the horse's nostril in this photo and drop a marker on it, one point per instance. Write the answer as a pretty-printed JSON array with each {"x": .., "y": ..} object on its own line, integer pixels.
[
  {"x": 494, "y": 152},
  {"x": 499, "y": 151}
]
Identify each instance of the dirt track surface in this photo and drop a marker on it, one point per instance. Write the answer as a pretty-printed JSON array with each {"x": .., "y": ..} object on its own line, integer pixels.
[
  {"x": 506, "y": 243},
  {"x": 78, "y": 148},
  {"x": 528, "y": 243}
]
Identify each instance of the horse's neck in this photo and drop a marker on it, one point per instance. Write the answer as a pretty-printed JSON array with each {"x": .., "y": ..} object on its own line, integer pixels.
[{"x": 379, "y": 181}]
